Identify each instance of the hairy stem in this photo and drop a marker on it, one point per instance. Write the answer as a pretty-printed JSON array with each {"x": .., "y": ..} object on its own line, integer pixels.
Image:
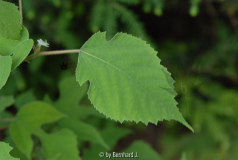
[
  {"x": 51, "y": 53},
  {"x": 20, "y": 9}
]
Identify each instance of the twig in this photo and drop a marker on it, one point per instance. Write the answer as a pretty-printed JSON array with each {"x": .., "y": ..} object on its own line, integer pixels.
[{"x": 20, "y": 9}]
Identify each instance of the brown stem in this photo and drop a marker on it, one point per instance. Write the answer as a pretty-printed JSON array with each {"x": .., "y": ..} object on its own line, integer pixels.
[
  {"x": 51, "y": 53},
  {"x": 20, "y": 9}
]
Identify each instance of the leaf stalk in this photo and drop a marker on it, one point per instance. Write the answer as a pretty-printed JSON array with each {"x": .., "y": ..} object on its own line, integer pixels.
[{"x": 51, "y": 53}]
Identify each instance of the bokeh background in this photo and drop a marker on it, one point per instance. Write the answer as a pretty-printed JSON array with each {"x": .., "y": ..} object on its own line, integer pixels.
[{"x": 196, "y": 40}]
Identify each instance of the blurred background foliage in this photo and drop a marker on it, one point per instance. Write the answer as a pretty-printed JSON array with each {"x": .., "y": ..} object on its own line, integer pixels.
[{"x": 196, "y": 40}]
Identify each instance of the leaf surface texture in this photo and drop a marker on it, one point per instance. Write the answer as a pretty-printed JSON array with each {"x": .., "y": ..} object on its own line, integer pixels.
[
  {"x": 28, "y": 121},
  {"x": 5, "y": 69},
  {"x": 4, "y": 152},
  {"x": 10, "y": 26},
  {"x": 127, "y": 81}
]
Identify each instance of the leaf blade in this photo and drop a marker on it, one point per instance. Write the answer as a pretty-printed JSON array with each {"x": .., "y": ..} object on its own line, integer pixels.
[
  {"x": 5, "y": 69},
  {"x": 5, "y": 101},
  {"x": 4, "y": 152},
  {"x": 22, "y": 49},
  {"x": 9, "y": 21},
  {"x": 21, "y": 52},
  {"x": 83, "y": 130},
  {"x": 143, "y": 150},
  {"x": 68, "y": 103},
  {"x": 62, "y": 144},
  {"x": 28, "y": 121},
  {"x": 126, "y": 76},
  {"x": 19, "y": 49}
]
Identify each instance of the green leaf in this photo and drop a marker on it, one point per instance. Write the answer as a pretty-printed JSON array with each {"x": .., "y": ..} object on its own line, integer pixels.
[
  {"x": 97, "y": 15},
  {"x": 170, "y": 82},
  {"x": 24, "y": 98},
  {"x": 110, "y": 21},
  {"x": 62, "y": 144},
  {"x": 19, "y": 49},
  {"x": 131, "y": 20},
  {"x": 48, "y": 100},
  {"x": 112, "y": 135},
  {"x": 127, "y": 81},
  {"x": 5, "y": 101},
  {"x": 86, "y": 111},
  {"x": 4, "y": 115},
  {"x": 28, "y": 121},
  {"x": 4, "y": 152},
  {"x": 14, "y": 152},
  {"x": 83, "y": 130},
  {"x": 8, "y": 45},
  {"x": 5, "y": 69},
  {"x": 143, "y": 150},
  {"x": 184, "y": 157},
  {"x": 10, "y": 26},
  {"x": 129, "y": 2},
  {"x": 70, "y": 95}
]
